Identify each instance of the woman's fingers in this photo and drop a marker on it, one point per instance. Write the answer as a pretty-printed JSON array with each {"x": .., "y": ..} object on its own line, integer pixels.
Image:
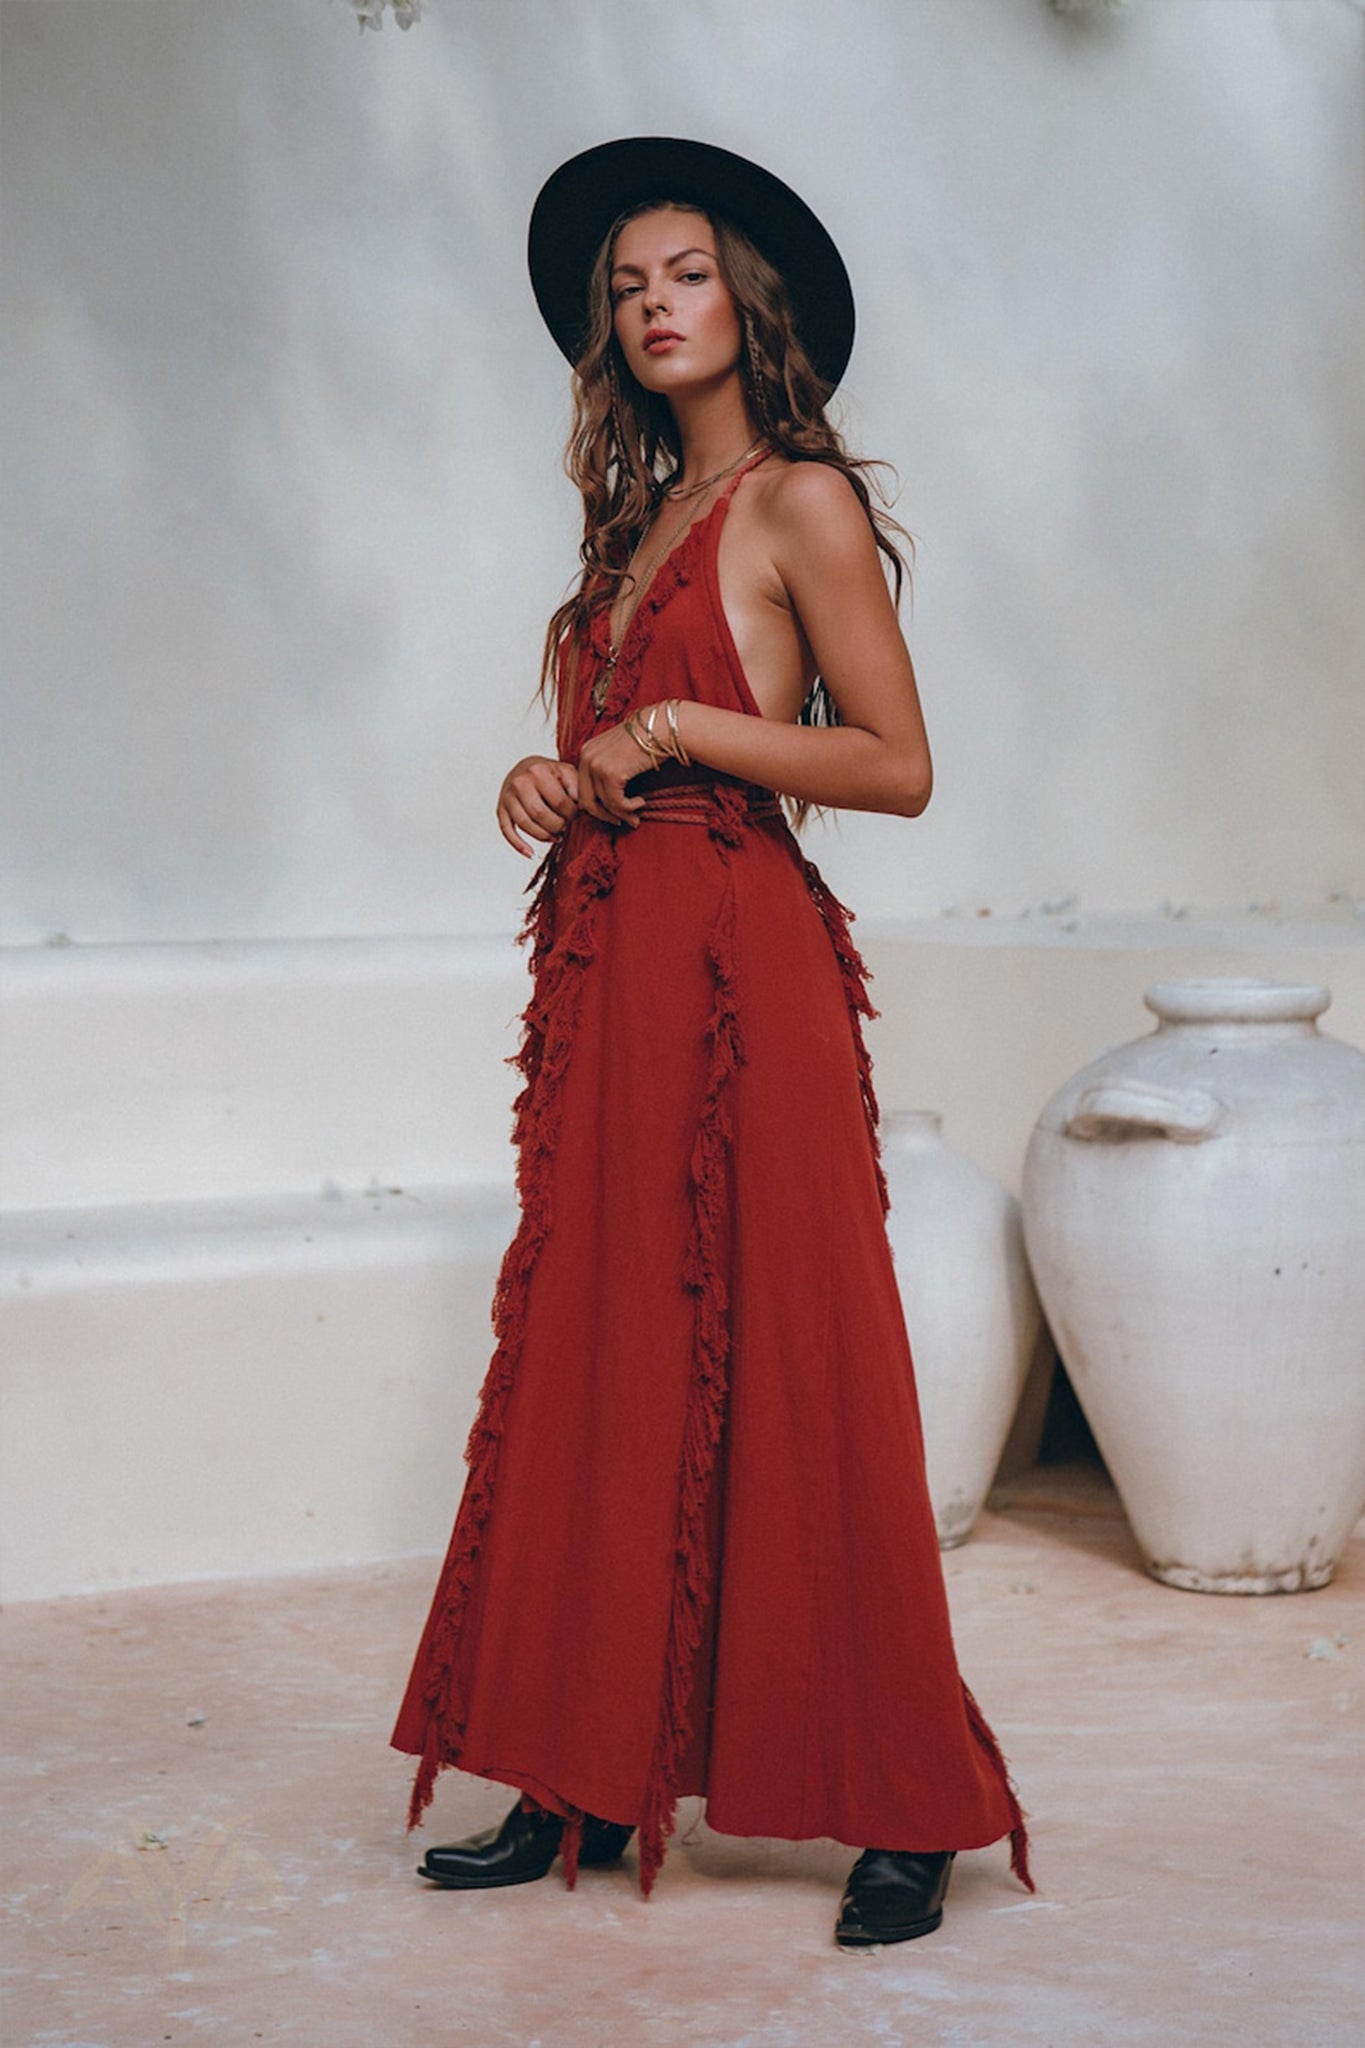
[
  {"x": 620, "y": 806},
  {"x": 541, "y": 822},
  {"x": 603, "y": 792},
  {"x": 559, "y": 785},
  {"x": 510, "y": 833},
  {"x": 551, "y": 817},
  {"x": 545, "y": 788},
  {"x": 591, "y": 797}
]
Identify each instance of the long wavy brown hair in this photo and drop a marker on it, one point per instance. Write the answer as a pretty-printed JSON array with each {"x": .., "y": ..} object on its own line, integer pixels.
[{"x": 624, "y": 450}]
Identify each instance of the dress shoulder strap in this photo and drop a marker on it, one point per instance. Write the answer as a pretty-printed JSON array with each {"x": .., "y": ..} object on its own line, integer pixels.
[{"x": 740, "y": 474}]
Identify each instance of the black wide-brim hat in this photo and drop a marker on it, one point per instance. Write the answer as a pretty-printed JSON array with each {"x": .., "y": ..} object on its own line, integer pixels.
[{"x": 579, "y": 202}]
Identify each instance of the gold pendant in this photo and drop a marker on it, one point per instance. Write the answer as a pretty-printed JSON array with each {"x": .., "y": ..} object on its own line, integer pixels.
[{"x": 603, "y": 683}]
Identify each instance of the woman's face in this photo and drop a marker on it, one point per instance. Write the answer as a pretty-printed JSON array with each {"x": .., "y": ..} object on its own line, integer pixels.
[{"x": 674, "y": 317}]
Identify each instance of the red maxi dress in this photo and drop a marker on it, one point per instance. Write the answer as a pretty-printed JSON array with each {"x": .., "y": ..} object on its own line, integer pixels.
[{"x": 695, "y": 1553}]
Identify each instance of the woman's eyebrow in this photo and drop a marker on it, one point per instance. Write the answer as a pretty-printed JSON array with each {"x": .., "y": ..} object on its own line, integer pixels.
[{"x": 636, "y": 271}]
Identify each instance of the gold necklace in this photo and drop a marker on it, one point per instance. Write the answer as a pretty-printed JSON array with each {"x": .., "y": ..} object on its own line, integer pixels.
[
  {"x": 690, "y": 490},
  {"x": 604, "y": 680}
]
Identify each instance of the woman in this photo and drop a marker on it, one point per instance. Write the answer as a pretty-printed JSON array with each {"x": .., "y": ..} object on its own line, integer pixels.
[{"x": 695, "y": 1553}]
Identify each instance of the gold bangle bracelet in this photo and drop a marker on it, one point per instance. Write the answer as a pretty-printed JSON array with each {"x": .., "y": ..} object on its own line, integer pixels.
[
  {"x": 680, "y": 752},
  {"x": 650, "y": 752},
  {"x": 647, "y": 719}
]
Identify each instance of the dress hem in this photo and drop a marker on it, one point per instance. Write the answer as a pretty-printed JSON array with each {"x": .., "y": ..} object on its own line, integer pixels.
[{"x": 549, "y": 1800}]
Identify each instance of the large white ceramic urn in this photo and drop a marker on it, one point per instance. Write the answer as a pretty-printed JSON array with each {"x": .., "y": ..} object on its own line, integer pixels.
[
  {"x": 970, "y": 1308},
  {"x": 1194, "y": 1210}
]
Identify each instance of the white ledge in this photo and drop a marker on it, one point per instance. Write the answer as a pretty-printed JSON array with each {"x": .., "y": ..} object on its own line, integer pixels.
[
  {"x": 1076, "y": 930},
  {"x": 46, "y": 1249}
]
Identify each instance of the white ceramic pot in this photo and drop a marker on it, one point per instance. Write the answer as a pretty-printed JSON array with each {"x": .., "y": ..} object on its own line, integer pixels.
[
  {"x": 1194, "y": 1209},
  {"x": 970, "y": 1308}
]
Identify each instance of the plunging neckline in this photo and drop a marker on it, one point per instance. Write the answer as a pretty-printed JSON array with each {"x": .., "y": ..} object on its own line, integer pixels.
[
  {"x": 697, "y": 526},
  {"x": 609, "y": 686},
  {"x": 614, "y": 663},
  {"x": 606, "y": 645},
  {"x": 617, "y": 647}
]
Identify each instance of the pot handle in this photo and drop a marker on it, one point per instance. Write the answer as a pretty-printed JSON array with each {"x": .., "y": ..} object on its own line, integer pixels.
[{"x": 1115, "y": 1110}]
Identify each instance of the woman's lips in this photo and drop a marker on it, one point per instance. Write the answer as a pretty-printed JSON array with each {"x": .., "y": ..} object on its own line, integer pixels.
[{"x": 657, "y": 342}]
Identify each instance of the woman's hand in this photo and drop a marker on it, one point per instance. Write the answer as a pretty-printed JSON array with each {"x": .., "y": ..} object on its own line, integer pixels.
[
  {"x": 607, "y": 763},
  {"x": 538, "y": 796}
]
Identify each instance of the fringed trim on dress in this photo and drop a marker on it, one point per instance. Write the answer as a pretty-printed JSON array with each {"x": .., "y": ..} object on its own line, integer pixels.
[
  {"x": 570, "y": 1843},
  {"x": 1019, "y": 1843},
  {"x": 856, "y": 975},
  {"x": 550, "y": 1022},
  {"x": 705, "y": 1277}
]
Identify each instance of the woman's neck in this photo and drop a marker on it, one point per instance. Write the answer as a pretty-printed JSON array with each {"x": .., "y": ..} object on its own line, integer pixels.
[{"x": 714, "y": 428}]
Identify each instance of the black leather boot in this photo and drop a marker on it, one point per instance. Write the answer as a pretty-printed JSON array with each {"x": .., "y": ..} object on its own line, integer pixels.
[
  {"x": 604, "y": 1841},
  {"x": 519, "y": 1851},
  {"x": 893, "y": 1895}
]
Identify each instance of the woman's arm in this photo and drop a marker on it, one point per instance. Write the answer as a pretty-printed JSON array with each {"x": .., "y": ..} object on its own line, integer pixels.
[{"x": 878, "y": 758}]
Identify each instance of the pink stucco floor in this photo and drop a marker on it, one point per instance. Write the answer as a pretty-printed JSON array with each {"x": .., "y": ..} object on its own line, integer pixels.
[{"x": 204, "y": 1838}]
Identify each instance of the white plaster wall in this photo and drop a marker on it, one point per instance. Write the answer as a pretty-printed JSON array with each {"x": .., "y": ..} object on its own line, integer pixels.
[{"x": 284, "y": 510}]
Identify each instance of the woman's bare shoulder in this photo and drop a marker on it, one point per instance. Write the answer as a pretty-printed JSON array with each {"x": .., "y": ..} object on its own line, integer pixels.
[{"x": 813, "y": 505}]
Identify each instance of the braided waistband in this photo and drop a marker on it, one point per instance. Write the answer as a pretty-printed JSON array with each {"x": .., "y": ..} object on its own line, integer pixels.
[{"x": 691, "y": 803}]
